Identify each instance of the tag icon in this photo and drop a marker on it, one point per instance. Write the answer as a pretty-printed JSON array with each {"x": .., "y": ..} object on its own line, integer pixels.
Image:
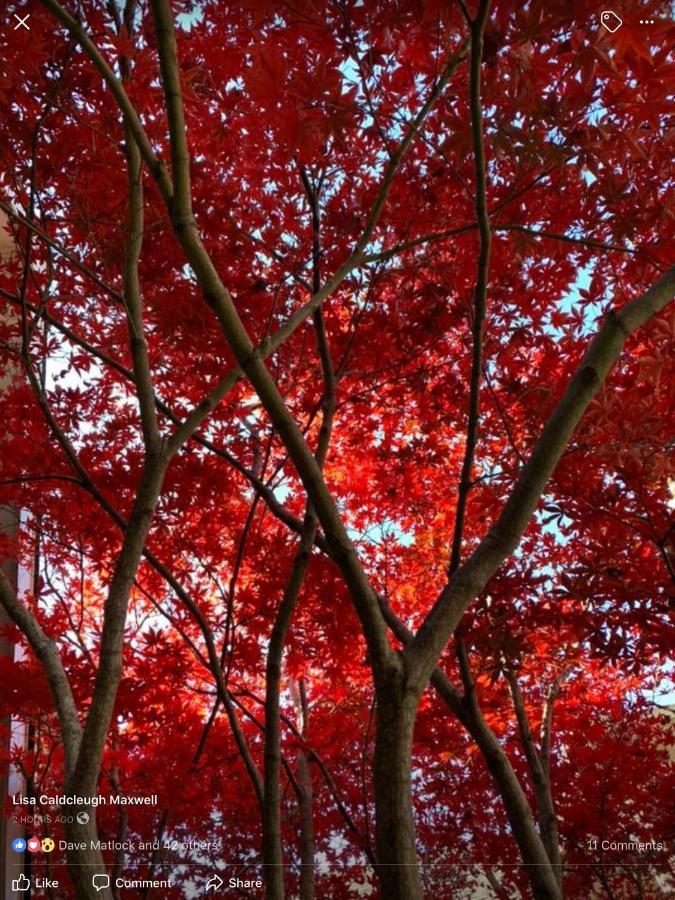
[{"x": 610, "y": 20}]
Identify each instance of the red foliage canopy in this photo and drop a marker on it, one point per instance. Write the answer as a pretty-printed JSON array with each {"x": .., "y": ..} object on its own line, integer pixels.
[{"x": 301, "y": 127}]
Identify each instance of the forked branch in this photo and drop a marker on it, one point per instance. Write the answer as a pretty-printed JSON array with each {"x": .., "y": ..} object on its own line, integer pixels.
[{"x": 503, "y": 537}]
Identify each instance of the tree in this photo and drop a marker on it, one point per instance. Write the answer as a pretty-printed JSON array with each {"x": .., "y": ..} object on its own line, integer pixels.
[{"x": 288, "y": 281}]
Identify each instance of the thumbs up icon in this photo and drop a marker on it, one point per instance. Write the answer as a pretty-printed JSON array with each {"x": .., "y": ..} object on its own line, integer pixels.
[{"x": 21, "y": 883}]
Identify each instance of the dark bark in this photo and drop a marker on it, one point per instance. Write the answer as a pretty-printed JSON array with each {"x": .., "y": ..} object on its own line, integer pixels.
[
  {"x": 85, "y": 776},
  {"x": 83, "y": 864},
  {"x": 540, "y": 774},
  {"x": 272, "y": 837},
  {"x": 305, "y": 802},
  {"x": 467, "y": 710},
  {"x": 470, "y": 579},
  {"x": 540, "y": 872},
  {"x": 397, "y": 863}
]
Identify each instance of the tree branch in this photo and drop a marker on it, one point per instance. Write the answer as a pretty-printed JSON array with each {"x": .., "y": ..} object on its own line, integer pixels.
[
  {"x": 425, "y": 239},
  {"x": 480, "y": 291},
  {"x": 156, "y": 165},
  {"x": 582, "y": 241},
  {"x": 547, "y": 722},
  {"x": 133, "y": 302},
  {"x": 181, "y": 200},
  {"x": 216, "y": 670},
  {"x": 548, "y": 824},
  {"x": 249, "y": 359},
  {"x": 272, "y": 836},
  {"x": 503, "y": 537},
  {"x": 467, "y": 711},
  {"x": 184, "y": 428},
  {"x": 45, "y": 651}
]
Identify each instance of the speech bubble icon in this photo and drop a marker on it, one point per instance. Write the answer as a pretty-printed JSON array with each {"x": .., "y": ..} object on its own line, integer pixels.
[{"x": 100, "y": 882}]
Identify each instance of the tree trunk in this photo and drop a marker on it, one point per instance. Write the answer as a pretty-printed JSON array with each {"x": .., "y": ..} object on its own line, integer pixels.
[
  {"x": 539, "y": 771},
  {"x": 84, "y": 864},
  {"x": 272, "y": 837},
  {"x": 397, "y": 863},
  {"x": 540, "y": 872},
  {"x": 548, "y": 826},
  {"x": 305, "y": 796},
  {"x": 306, "y": 828},
  {"x": 543, "y": 879}
]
